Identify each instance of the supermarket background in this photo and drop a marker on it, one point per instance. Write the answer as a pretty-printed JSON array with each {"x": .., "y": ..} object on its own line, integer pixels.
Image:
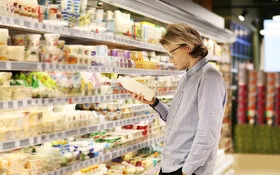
[{"x": 63, "y": 110}]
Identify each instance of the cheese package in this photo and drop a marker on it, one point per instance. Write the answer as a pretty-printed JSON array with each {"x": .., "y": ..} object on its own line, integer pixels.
[{"x": 134, "y": 86}]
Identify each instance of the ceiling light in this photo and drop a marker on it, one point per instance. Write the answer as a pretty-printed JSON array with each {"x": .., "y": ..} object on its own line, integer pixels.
[
  {"x": 262, "y": 32},
  {"x": 276, "y": 18},
  {"x": 242, "y": 15},
  {"x": 241, "y": 18}
]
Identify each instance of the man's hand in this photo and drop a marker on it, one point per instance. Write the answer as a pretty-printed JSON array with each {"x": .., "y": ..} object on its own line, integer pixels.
[
  {"x": 140, "y": 98},
  {"x": 183, "y": 173}
]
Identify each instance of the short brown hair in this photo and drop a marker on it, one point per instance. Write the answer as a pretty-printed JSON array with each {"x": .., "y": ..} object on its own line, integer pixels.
[{"x": 180, "y": 34}]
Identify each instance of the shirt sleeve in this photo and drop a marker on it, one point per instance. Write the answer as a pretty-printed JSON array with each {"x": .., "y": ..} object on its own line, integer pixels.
[
  {"x": 162, "y": 110},
  {"x": 211, "y": 102}
]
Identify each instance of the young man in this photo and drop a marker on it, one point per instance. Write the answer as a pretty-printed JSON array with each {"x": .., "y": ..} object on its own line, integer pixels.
[{"x": 194, "y": 119}]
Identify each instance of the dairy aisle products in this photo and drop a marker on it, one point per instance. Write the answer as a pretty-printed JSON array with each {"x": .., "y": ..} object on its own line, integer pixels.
[
  {"x": 78, "y": 15},
  {"x": 61, "y": 153},
  {"x": 133, "y": 163},
  {"x": 20, "y": 86},
  {"x": 50, "y": 49}
]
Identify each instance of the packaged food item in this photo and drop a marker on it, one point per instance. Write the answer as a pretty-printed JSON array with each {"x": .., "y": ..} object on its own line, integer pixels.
[
  {"x": 16, "y": 53},
  {"x": 3, "y": 52},
  {"x": 5, "y": 93},
  {"x": 18, "y": 40},
  {"x": 134, "y": 86},
  {"x": 4, "y": 35}
]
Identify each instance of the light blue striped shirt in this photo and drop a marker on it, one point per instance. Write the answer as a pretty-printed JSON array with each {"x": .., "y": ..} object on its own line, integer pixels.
[{"x": 193, "y": 121}]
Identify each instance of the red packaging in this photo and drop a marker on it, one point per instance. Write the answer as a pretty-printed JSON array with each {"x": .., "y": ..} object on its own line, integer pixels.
[{"x": 261, "y": 99}]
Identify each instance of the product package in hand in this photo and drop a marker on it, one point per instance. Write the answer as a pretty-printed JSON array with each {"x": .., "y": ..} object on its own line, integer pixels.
[{"x": 134, "y": 86}]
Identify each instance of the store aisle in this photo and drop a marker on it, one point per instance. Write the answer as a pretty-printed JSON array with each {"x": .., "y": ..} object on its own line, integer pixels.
[{"x": 256, "y": 164}]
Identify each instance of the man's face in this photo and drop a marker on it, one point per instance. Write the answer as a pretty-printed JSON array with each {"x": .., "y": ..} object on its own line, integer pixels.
[{"x": 179, "y": 56}]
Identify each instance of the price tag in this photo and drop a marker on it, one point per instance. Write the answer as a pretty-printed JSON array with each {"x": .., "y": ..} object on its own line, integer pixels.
[
  {"x": 59, "y": 135},
  {"x": 8, "y": 65},
  {"x": 10, "y": 104},
  {"x": 110, "y": 125},
  {"x": 1, "y": 20},
  {"x": 46, "y": 66},
  {"x": 36, "y": 140},
  {"x": 59, "y": 101},
  {"x": 108, "y": 97},
  {"x": 103, "y": 69},
  {"x": 51, "y": 137},
  {"x": 4, "y": 19},
  {"x": 83, "y": 130},
  {"x": 24, "y": 143},
  {"x": 56, "y": 29},
  {"x": 107, "y": 157},
  {"x": 83, "y": 99},
  {"x": 81, "y": 164},
  {"x": 122, "y": 122},
  {"x": 25, "y": 103},
  {"x": 16, "y": 21},
  {"x": 19, "y": 104},
  {"x": 27, "y": 24},
  {"x": 114, "y": 155},
  {"x": 62, "y": 171},
  {"x": 44, "y": 138},
  {"x": 36, "y": 26},
  {"x": 71, "y": 133},
  {"x": 2, "y": 105},
  {"x": 102, "y": 127},
  {"x": 39, "y": 102},
  {"x": 9, "y": 145},
  {"x": 8, "y": 20},
  {"x": 92, "y": 129},
  {"x": 102, "y": 98},
  {"x": 98, "y": 36},
  {"x": 90, "y": 99},
  {"x": 68, "y": 169},
  {"x": 51, "y": 101},
  {"x": 63, "y": 67},
  {"x": 134, "y": 147}
]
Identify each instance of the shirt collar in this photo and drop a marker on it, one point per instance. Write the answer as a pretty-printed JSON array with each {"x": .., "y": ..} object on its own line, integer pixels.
[{"x": 196, "y": 67}]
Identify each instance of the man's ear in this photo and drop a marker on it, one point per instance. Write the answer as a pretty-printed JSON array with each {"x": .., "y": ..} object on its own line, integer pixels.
[{"x": 188, "y": 48}]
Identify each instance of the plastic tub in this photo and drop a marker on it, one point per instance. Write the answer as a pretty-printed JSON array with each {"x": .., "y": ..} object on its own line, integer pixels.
[
  {"x": 18, "y": 40},
  {"x": 16, "y": 53},
  {"x": 4, "y": 35},
  {"x": 33, "y": 41},
  {"x": 52, "y": 39}
]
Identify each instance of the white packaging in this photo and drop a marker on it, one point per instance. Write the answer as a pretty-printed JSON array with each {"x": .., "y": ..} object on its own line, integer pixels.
[
  {"x": 134, "y": 86},
  {"x": 16, "y": 53}
]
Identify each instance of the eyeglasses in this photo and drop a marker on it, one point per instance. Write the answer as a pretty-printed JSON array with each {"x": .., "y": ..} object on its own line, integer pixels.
[{"x": 172, "y": 51}]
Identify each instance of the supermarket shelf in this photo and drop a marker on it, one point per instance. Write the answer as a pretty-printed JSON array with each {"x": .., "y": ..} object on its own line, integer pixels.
[
  {"x": 22, "y": 23},
  {"x": 152, "y": 171},
  {"x": 31, "y": 66},
  {"x": 241, "y": 41},
  {"x": 22, "y": 104},
  {"x": 240, "y": 56},
  {"x": 147, "y": 71},
  {"x": 19, "y": 104},
  {"x": 30, "y": 141},
  {"x": 225, "y": 166},
  {"x": 105, "y": 157}
]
